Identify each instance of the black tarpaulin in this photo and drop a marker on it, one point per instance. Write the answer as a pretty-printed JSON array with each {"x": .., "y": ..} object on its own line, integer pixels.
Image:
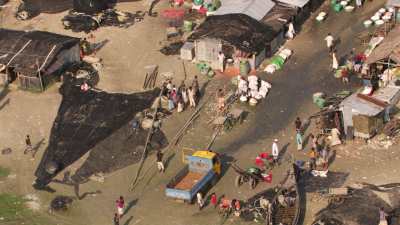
[
  {"x": 91, "y": 6},
  {"x": 85, "y": 119}
]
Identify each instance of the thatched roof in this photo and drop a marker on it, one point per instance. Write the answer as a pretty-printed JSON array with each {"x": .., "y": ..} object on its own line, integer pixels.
[
  {"x": 27, "y": 51},
  {"x": 239, "y": 30},
  {"x": 390, "y": 47}
]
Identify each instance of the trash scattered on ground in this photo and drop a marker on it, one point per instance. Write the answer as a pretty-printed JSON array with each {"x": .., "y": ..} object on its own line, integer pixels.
[
  {"x": 32, "y": 202},
  {"x": 99, "y": 177},
  {"x": 392, "y": 127},
  {"x": 60, "y": 203},
  {"x": 78, "y": 22},
  {"x": 380, "y": 141},
  {"x": 6, "y": 151},
  {"x": 172, "y": 49}
]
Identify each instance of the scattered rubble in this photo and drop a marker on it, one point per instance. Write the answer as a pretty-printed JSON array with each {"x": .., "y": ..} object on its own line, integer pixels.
[
  {"x": 32, "y": 202},
  {"x": 60, "y": 203}
]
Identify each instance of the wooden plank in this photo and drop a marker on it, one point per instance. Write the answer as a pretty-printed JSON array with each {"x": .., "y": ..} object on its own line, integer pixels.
[{"x": 373, "y": 100}]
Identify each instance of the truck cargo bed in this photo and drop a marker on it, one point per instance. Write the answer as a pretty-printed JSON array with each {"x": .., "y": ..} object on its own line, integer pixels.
[{"x": 189, "y": 180}]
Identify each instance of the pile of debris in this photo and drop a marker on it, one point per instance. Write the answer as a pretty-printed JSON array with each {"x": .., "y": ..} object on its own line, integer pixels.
[
  {"x": 172, "y": 49},
  {"x": 78, "y": 22},
  {"x": 60, "y": 203},
  {"x": 392, "y": 128}
]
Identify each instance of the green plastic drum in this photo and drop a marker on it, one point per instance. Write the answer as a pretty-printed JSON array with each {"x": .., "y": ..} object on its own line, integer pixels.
[
  {"x": 198, "y": 2},
  {"x": 187, "y": 26},
  {"x": 244, "y": 67},
  {"x": 338, "y": 7}
]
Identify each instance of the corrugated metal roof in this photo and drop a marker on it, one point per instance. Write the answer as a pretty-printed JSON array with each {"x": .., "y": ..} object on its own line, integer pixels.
[
  {"x": 393, "y": 3},
  {"x": 360, "y": 106},
  {"x": 297, "y": 3},
  {"x": 256, "y": 9},
  {"x": 390, "y": 46},
  {"x": 387, "y": 94}
]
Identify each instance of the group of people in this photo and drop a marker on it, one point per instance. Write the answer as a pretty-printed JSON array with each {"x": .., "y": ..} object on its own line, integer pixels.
[
  {"x": 181, "y": 97},
  {"x": 225, "y": 205},
  {"x": 318, "y": 154},
  {"x": 353, "y": 64}
]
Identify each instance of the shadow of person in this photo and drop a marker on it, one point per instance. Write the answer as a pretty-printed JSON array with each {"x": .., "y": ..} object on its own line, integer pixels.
[
  {"x": 282, "y": 152},
  {"x": 128, "y": 220},
  {"x": 35, "y": 148},
  {"x": 331, "y": 157},
  {"x": 130, "y": 205},
  {"x": 81, "y": 197},
  {"x": 6, "y": 102}
]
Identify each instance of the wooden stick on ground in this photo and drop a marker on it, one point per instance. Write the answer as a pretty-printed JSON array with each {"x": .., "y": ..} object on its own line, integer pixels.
[{"x": 148, "y": 139}]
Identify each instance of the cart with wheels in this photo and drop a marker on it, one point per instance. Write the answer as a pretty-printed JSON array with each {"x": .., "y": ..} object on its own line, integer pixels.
[{"x": 252, "y": 176}]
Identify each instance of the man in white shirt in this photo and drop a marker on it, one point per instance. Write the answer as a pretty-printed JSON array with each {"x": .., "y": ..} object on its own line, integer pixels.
[
  {"x": 275, "y": 150},
  {"x": 329, "y": 42}
]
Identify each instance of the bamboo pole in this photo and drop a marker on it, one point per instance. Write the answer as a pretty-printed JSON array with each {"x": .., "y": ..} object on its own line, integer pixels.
[{"x": 148, "y": 139}]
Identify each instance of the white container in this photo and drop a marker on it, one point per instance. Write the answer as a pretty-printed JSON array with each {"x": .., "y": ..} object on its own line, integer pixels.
[
  {"x": 349, "y": 8},
  {"x": 382, "y": 10},
  {"x": 187, "y": 51},
  {"x": 375, "y": 18},
  {"x": 343, "y": 3},
  {"x": 379, "y": 22},
  {"x": 322, "y": 14},
  {"x": 367, "y": 23},
  {"x": 320, "y": 18},
  {"x": 391, "y": 9}
]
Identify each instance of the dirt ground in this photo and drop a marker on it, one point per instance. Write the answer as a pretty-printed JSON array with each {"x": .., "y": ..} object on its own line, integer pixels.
[{"x": 124, "y": 57}]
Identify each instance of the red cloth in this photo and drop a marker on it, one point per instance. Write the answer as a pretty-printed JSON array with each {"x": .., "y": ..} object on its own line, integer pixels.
[
  {"x": 268, "y": 177},
  {"x": 203, "y": 10},
  {"x": 120, "y": 203},
  {"x": 214, "y": 199}
]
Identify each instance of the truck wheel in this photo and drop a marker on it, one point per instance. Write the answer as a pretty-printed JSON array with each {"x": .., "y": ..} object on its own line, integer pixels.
[
  {"x": 253, "y": 183},
  {"x": 238, "y": 180}
]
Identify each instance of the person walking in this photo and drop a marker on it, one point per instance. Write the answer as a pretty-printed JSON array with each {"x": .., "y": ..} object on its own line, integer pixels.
[
  {"x": 382, "y": 217},
  {"x": 28, "y": 147},
  {"x": 329, "y": 42},
  {"x": 184, "y": 96},
  {"x": 335, "y": 63},
  {"x": 299, "y": 140},
  {"x": 358, "y": 3},
  {"x": 221, "y": 61},
  {"x": 313, "y": 159},
  {"x": 275, "y": 151},
  {"x": 200, "y": 200},
  {"x": 196, "y": 87},
  {"x": 116, "y": 219},
  {"x": 297, "y": 124},
  {"x": 214, "y": 200},
  {"x": 191, "y": 95},
  {"x": 120, "y": 206},
  {"x": 160, "y": 164},
  {"x": 314, "y": 141}
]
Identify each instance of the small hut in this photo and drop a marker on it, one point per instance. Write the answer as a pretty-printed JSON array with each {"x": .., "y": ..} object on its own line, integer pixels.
[
  {"x": 239, "y": 36},
  {"x": 35, "y": 58},
  {"x": 303, "y": 8},
  {"x": 386, "y": 57},
  {"x": 364, "y": 115}
]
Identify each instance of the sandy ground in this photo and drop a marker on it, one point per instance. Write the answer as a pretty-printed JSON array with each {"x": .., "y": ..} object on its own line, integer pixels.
[{"x": 125, "y": 56}]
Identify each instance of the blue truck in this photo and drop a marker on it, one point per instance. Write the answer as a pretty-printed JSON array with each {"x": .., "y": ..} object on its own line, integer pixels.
[{"x": 203, "y": 169}]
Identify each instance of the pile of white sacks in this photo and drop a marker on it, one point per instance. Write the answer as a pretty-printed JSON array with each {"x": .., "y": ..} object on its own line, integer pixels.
[{"x": 252, "y": 89}]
